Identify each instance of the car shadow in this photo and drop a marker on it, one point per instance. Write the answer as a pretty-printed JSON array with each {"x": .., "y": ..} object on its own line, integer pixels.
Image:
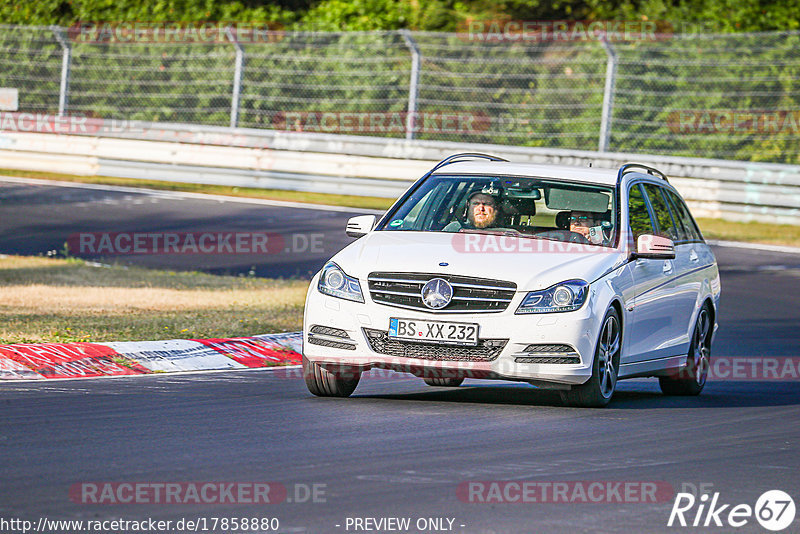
[
  {"x": 518, "y": 396},
  {"x": 641, "y": 396}
]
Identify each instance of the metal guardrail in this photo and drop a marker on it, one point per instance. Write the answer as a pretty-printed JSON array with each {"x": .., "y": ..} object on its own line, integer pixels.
[{"x": 367, "y": 166}]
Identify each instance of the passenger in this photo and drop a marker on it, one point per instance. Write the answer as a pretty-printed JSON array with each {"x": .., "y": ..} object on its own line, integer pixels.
[{"x": 589, "y": 224}]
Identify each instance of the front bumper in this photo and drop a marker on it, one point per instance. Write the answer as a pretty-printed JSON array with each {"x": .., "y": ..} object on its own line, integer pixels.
[{"x": 346, "y": 334}]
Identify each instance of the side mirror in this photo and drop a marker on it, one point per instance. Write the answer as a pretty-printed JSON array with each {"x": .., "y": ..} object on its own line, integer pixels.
[
  {"x": 361, "y": 225},
  {"x": 655, "y": 247}
]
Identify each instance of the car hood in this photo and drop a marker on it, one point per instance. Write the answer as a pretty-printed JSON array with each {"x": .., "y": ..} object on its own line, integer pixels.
[{"x": 530, "y": 263}]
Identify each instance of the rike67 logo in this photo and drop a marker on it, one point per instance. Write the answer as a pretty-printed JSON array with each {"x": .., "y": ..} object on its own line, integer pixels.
[{"x": 774, "y": 510}]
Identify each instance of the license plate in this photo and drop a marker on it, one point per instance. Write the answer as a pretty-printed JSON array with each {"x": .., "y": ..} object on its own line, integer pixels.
[{"x": 434, "y": 331}]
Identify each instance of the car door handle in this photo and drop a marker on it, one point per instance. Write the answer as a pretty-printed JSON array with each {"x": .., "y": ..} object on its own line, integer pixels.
[
  {"x": 667, "y": 267},
  {"x": 693, "y": 256}
]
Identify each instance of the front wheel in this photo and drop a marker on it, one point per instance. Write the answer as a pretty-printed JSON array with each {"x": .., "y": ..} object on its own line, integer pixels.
[
  {"x": 691, "y": 379},
  {"x": 597, "y": 392},
  {"x": 324, "y": 383}
]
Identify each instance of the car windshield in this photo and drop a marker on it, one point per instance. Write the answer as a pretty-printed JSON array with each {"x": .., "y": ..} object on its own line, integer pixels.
[{"x": 527, "y": 207}]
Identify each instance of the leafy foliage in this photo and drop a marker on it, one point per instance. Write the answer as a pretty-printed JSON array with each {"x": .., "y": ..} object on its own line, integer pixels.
[{"x": 716, "y": 16}]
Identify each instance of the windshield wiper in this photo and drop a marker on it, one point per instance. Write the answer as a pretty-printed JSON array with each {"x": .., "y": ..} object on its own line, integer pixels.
[
  {"x": 501, "y": 232},
  {"x": 490, "y": 231}
]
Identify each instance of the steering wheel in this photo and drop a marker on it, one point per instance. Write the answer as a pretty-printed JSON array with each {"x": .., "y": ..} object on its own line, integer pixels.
[{"x": 566, "y": 236}]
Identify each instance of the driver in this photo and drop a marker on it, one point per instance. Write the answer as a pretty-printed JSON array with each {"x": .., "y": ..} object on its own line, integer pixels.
[{"x": 482, "y": 211}]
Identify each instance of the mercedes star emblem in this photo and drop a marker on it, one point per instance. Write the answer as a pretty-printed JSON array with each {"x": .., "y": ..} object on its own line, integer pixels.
[{"x": 437, "y": 293}]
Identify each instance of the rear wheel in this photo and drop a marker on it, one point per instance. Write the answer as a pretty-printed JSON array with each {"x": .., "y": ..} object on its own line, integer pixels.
[
  {"x": 324, "y": 383},
  {"x": 691, "y": 379},
  {"x": 444, "y": 382},
  {"x": 597, "y": 392}
]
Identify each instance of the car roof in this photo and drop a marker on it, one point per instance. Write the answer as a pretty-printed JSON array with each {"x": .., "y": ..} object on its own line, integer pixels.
[{"x": 594, "y": 175}]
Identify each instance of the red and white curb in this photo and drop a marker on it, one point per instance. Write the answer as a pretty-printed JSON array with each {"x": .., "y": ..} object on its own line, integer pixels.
[{"x": 28, "y": 361}]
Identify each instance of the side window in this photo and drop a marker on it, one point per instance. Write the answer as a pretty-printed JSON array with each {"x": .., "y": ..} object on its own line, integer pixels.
[
  {"x": 685, "y": 232},
  {"x": 685, "y": 218},
  {"x": 638, "y": 214},
  {"x": 666, "y": 228}
]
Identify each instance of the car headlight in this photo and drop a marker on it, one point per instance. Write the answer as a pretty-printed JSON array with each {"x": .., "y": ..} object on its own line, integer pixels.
[
  {"x": 334, "y": 282},
  {"x": 563, "y": 297}
]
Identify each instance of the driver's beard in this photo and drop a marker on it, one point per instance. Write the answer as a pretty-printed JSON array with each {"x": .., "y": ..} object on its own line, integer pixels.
[{"x": 483, "y": 223}]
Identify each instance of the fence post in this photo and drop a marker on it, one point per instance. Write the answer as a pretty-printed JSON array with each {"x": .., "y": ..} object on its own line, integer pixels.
[
  {"x": 237, "y": 77},
  {"x": 413, "y": 86},
  {"x": 66, "y": 59},
  {"x": 608, "y": 96}
]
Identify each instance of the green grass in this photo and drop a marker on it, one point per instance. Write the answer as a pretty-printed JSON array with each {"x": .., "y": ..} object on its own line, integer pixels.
[
  {"x": 752, "y": 232},
  {"x": 57, "y": 300}
]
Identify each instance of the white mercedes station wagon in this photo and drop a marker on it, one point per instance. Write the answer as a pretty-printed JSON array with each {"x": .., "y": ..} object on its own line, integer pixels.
[{"x": 566, "y": 278}]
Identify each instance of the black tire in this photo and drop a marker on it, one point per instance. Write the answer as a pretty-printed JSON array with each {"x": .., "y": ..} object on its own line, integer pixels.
[
  {"x": 599, "y": 389},
  {"x": 691, "y": 379},
  {"x": 444, "y": 382},
  {"x": 324, "y": 383}
]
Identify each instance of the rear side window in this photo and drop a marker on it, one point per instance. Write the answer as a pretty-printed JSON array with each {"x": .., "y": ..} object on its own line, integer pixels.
[
  {"x": 683, "y": 217},
  {"x": 638, "y": 214},
  {"x": 679, "y": 227},
  {"x": 666, "y": 228}
]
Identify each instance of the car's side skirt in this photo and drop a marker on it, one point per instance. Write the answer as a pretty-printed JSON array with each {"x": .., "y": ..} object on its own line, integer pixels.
[{"x": 651, "y": 367}]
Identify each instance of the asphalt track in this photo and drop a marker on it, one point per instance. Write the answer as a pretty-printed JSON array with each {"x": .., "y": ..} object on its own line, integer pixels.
[
  {"x": 36, "y": 218},
  {"x": 397, "y": 448}
]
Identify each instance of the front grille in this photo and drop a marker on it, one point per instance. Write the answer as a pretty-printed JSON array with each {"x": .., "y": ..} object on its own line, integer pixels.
[
  {"x": 549, "y": 354},
  {"x": 486, "y": 350},
  {"x": 470, "y": 295}
]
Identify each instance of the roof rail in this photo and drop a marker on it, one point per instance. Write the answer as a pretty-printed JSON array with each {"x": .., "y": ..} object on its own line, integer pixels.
[
  {"x": 455, "y": 158},
  {"x": 631, "y": 167}
]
